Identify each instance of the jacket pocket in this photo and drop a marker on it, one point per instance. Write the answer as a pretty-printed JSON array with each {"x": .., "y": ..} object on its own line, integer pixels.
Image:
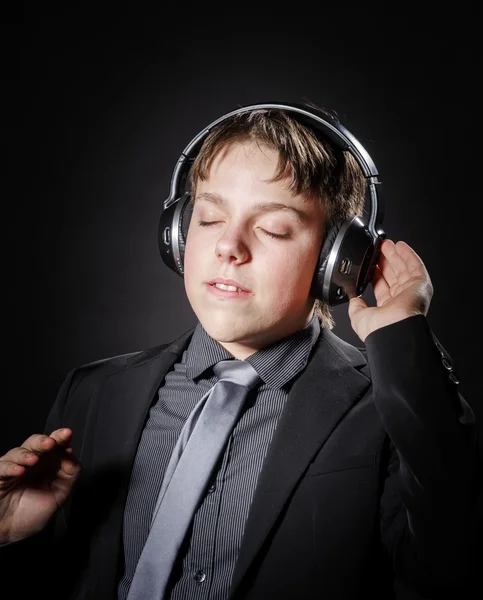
[{"x": 341, "y": 463}]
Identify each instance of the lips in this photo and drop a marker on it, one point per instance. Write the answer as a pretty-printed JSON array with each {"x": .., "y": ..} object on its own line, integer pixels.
[{"x": 232, "y": 282}]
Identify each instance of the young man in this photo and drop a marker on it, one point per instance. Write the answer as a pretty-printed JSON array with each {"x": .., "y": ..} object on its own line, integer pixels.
[{"x": 349, "y": 473}]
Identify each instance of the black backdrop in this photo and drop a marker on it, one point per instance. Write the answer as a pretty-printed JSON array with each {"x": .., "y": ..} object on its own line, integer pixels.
[{"x": 95, "y": 118}]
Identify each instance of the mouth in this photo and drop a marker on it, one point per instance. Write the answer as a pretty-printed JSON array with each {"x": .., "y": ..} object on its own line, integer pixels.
[{"x": 228, "y": 288}]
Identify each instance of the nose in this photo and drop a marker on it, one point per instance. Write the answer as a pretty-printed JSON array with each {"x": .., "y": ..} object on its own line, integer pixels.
[{"x": 232, "y": 247}]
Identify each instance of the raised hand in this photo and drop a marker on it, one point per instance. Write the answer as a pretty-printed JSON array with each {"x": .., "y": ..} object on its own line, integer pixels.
[
  {"x": 402, "y": 288},
  {"x": 35, "y": 480}
]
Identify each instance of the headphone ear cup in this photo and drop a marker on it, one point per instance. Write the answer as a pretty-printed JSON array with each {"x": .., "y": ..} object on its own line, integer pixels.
[
  {"x": 184, "y": 224},
  {"x": 317, "y": 288},
  {"x": 347, "y": 261},
  {"x": 172, "y": 231}
]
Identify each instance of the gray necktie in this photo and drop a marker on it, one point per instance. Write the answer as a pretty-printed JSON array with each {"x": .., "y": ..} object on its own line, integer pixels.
[{"x": 202, "y": 439}]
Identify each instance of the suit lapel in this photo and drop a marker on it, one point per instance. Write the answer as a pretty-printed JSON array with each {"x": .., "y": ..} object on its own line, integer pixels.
[
  {"x": 126, "y": 399},
  {"x": 318, "y": 400}
]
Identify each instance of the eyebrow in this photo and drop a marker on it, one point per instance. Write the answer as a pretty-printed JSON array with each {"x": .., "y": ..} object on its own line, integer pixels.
[{"x": 261, "y": 206}]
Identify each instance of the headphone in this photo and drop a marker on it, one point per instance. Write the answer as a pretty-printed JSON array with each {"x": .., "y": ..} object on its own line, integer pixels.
[{"x": 351, "y": 248}]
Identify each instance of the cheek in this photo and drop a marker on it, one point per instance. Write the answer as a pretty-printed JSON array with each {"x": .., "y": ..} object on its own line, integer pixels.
[
  {"x": 290, "y": 276},
  {"x": 194, "y": 252},
  {"x": 191, "y": 265}
]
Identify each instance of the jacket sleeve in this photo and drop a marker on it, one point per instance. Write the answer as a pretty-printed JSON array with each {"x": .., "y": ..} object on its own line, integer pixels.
[
  {"x": 428, "y": 505},
  {"x": 32, "y": 563}
]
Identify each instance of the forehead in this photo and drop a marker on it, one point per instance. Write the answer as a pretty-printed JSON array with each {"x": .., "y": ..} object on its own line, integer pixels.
[
  {"x": 247, "y": 167},
  {"x": 244, "y": 155},
  {"x": 239, "y": 181},
  {"x": 246, "y": 189}
]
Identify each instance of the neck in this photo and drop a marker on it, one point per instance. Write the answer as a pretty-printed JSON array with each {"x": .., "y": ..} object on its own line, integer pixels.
[{"x": 242, "y": 349}]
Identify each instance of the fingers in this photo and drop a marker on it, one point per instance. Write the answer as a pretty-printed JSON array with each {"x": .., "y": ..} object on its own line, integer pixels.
[
  {"x": 412, "y": 260},
  {"x": 392, "y": 258},
  {"x": 17, "y": 460},
  {"x": 355, "y": 305},
  {"x": 399, "y": 262},
  {"x": 69, "y": 467},
  {"x": 385, "y": 268},
  {"x": 43, "y": 443},
  {"x": 381, "y": 285}
]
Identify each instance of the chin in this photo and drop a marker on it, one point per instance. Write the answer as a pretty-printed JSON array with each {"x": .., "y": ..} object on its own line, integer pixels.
[
  {"x": 226, "y": 334},
  {"x": 254, "y": 334},
  {"x": 228, "y": 330}
]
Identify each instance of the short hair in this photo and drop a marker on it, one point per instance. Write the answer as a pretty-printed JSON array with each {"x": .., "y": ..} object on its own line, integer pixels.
[{"x": 316, "y": 168}]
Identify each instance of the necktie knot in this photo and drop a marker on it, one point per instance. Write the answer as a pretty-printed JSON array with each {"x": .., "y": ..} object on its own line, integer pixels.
[{"x": 239, "y": 372}]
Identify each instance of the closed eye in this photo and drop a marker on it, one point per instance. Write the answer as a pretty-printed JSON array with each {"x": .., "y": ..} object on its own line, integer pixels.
[
  {"x": 279, "y": 236},
  {"x": 207, "y": 223}
]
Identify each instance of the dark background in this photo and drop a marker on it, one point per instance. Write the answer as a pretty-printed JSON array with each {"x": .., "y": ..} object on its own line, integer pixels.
[{"x": 95, "y": 118}]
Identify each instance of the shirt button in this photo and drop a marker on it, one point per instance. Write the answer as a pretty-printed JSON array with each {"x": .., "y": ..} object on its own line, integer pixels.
[
  {"x": 199, "y": 576},
  {"x": 446, "y": 363},
  {"x": 453, "y": 378},
  {"x": 212, "y": 488}
]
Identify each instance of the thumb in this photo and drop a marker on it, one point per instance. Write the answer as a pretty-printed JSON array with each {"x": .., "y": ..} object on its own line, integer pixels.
[{"x": 355, "y": 306}]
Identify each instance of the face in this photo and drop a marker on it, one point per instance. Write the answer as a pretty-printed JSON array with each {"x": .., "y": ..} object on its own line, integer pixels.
[{"x": 251, "y": 252}]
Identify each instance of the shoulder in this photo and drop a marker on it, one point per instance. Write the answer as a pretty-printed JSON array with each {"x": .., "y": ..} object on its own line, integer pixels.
[
  {"x": 80, "y": 390},
  {"x": 98, "y": 370},
  {"x": 343, "y": 351}
]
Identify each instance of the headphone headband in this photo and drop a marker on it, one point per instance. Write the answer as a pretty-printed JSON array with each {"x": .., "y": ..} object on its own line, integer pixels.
[{"x": 328, "y": 126}]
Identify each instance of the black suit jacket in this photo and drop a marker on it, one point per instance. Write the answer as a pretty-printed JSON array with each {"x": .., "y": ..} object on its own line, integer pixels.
[{"x": 368, "y": 488}]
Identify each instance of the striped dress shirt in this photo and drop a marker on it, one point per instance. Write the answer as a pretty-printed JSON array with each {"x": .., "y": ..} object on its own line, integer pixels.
[{"x": 207, "y": 560}]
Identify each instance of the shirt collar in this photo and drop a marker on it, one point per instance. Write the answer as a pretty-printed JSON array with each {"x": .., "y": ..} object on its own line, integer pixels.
[
  {"x": 276, "y": 364},
  {"x": 203, "y": 352}
]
